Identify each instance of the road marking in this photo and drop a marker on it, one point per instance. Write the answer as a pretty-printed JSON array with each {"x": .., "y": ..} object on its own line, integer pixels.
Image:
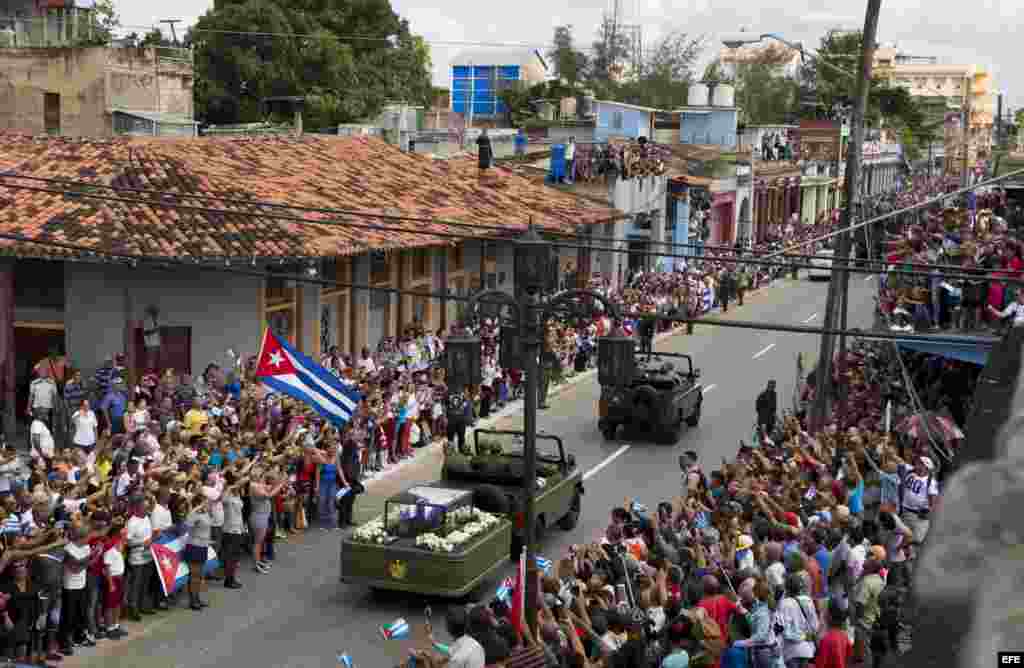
[
  {"x": 607, "y": 460},
  {"x": 763, "y": 351},
  {"x": 868, "y": 278},
  {"x": 813, "y": 316},
  {"x": 708, "y": 388}
]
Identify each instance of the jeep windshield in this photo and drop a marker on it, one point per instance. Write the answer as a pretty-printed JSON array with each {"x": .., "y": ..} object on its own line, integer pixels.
[{"x": 545, "y": 452}]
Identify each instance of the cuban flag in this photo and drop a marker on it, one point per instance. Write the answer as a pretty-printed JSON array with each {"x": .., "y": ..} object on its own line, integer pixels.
[
  {"x": 172, "y": 570},
  {"x": 544, "y": 565},
  {"x": 284, "y": 369}
]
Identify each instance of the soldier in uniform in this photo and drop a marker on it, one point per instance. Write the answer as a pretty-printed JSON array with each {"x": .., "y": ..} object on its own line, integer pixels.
[{"x": 549, "y": 364}]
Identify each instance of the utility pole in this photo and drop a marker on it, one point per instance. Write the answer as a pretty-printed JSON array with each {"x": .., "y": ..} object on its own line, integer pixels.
[
  {"x": 840, "y": 280},
  {"x": 966, "y": 126},
  {"x": 174, "y": 34}
]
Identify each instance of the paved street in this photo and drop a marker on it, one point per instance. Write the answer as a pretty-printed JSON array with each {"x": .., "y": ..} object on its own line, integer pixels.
[{"x": 300, "y": 616}]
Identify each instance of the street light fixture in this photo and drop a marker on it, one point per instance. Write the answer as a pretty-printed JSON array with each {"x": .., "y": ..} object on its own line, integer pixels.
[{"x": 522, "y": 320}]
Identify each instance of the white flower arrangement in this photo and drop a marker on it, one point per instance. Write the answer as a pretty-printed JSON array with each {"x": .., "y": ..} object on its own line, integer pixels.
[
  {"x": 473, "y": 523},
  {"x": 371, "y": 532}
]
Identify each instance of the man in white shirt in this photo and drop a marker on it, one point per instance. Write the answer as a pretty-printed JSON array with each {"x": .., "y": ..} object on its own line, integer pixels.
[
  {"x": 41, "y": 440},
  {"x": 139, "y": 536},
  {"x": 42, "y": 394},
  {"x": 84, "y": 426}
]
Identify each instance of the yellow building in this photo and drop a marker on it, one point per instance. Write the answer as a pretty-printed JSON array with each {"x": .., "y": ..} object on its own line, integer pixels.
[{"x": 957, "y": 84}]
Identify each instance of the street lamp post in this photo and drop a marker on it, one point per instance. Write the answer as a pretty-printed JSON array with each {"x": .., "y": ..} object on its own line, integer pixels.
[{"x": 523, "y": 321}]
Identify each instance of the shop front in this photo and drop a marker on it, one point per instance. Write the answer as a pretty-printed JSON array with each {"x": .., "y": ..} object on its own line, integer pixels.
[{"x": 723, "y": 218}]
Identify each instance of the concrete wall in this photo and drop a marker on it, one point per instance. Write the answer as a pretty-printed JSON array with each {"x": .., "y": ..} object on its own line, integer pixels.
[
  {"x": 222, "y": 310},
  {"x": 710, "y": 126},
  {"x": 90, "y": 81},
  {"x": 635, "y": 123}
]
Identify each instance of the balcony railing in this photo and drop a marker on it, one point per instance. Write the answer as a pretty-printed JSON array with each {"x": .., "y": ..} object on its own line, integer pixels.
[{"x": 53, "y": 29}]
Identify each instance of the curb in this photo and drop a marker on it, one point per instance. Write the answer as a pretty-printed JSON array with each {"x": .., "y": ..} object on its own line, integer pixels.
[{"x": 516, "y": 407}]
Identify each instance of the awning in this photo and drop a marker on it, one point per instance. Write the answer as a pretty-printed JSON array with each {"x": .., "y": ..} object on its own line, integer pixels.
[{"x": 974, "y": 349}]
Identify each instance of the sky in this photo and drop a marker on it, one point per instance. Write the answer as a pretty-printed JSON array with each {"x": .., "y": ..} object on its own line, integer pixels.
[{"x": 981, "y": 32}]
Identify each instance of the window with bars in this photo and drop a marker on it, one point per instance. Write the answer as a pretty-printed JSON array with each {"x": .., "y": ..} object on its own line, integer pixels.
[
  {"x": 380, "y": 267},
  {"x": 421, "y": 263},
  {"x": 379, "y": 299}
]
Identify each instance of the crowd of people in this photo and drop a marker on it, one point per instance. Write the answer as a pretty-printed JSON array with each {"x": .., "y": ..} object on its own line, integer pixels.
[{"x": 799, "y": 552}]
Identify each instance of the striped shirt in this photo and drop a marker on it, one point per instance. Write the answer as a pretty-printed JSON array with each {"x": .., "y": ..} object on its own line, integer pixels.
[{"x": 11, "y": 525}]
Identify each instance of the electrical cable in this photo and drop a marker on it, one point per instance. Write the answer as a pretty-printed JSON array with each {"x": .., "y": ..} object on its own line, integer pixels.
[
  {"x": 419, "y": 219},
  {"x": 463, "y": 237},
  {"x": 309, "y": 280}
]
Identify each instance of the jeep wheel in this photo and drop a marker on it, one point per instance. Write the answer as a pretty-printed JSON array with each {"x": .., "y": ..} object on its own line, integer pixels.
[
  {"x": 694, "y": 419},
  {"x": 570, "y": 519}
]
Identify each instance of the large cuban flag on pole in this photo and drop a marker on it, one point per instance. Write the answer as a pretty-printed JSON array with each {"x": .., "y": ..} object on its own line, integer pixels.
[{"x": 284, "y": 369}]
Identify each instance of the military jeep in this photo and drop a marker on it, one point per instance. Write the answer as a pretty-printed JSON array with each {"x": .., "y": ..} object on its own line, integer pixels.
[{"x": 657, "y": 400}]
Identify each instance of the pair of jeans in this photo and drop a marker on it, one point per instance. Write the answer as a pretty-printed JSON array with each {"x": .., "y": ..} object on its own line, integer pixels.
[
  {"x": 139, "y": 578},
  {"x": 327, "y": 506}
]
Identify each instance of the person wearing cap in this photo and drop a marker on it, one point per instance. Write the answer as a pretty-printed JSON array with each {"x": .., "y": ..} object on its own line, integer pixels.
[
  {"x": 866, "y": 603},
  {"x": 918, "y": 491},
  {"x": 767, "y": 408}
]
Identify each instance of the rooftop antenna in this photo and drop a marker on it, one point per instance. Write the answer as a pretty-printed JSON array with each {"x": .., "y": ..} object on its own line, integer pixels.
[{"x": 174, "y": 34}]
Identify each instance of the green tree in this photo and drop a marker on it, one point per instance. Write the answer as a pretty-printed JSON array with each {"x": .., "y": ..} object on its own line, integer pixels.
[
  {"x": 667, "y": 72},
  {"x": 570, "y": 64},
  {"x": 105, "y": 21},
  {"x": 310, "y": 55},
  {"x": 765, "y": 93}
]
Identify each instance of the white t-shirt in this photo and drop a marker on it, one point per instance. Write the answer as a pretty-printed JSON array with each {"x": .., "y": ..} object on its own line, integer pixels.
[
  {"x": 113, "y": 562},
  {"x": 85, "y": 424},
  {"x": 139, "y": 530},
  {"x": 75, "y": 580},
  {"x": 367, "y": 365},
  {"x": 915, "y": 496},
  {"x": 124, "y": 482},
  {"x": 40, "y": 429},
  {"x": 160, "y": 519}
]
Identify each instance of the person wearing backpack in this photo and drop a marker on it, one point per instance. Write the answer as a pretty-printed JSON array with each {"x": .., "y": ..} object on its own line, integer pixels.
[{"x": 918, "y": 490}]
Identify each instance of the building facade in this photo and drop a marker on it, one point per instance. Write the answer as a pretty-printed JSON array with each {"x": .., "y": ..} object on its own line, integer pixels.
[
  {"x": 96, "y": 91},
  {"x": 90, "y": 305},
  {"x": 478, "y": 78}
]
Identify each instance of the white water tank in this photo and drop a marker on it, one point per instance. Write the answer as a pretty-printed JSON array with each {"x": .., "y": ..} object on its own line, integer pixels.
[
  {"x": 699, "y": 95},
  {"x": 724, "y": 95}
]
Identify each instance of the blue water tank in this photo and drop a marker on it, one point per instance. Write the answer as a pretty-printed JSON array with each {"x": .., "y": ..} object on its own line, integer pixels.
[{"x": 557, "y": 172}]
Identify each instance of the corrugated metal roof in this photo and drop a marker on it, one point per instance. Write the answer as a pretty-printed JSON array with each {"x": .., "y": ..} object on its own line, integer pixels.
[{"x": 485, "y": 57}]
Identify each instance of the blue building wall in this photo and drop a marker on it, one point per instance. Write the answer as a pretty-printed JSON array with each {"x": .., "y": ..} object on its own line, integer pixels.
[
  {"x": 679, "y": 213},
  {"x": 614, "y": 120},
  {"x": 482, "y": 83},
  {"x": 709, "y": 126}
]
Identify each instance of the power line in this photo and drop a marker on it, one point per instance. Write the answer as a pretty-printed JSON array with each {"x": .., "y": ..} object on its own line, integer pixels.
[
  {"x": 299, "y": 278},
  {"x": 386, "y": 216},
  {"x": 367, "y": 38},
  {"x": 463, "y": 237}
]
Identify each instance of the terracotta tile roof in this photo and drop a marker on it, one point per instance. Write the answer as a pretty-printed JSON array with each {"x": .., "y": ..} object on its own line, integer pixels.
[{"x": 360, "y": 173}]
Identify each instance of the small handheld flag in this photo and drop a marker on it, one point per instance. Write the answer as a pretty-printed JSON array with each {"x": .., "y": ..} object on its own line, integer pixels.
[
  {"x": 544, "y": 565},
  {"x": 504, "y": 593},
  {"x": 396, "y": 630},
  {"x": 345, "y": 661}
]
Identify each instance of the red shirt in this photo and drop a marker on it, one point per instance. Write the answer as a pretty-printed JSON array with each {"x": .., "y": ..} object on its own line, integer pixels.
[
  {"x": 834, "y": 650},
  {"x": 813, "y": 569},
  {"x": 720, "y": 609},
  {"x": 97, "y": 546}
]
